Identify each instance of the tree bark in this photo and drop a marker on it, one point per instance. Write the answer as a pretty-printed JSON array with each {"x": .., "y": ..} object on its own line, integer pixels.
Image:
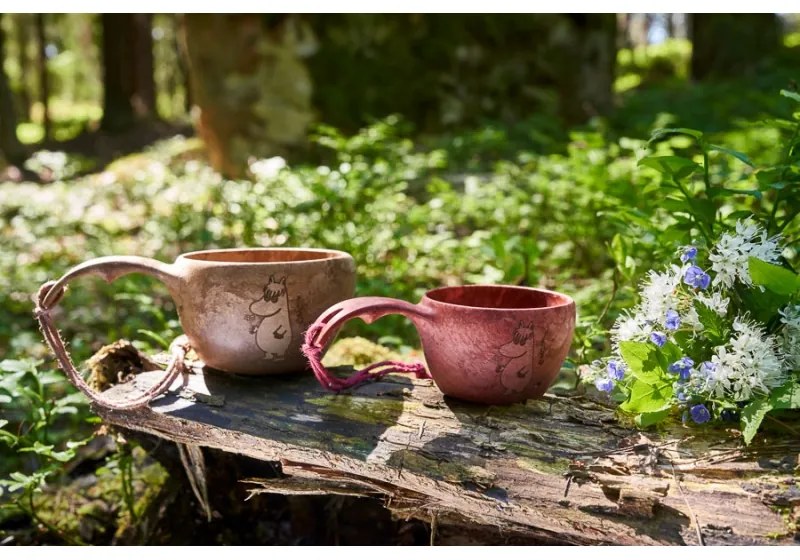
[
  {"x": 728, "y": 45},
  {"x": 254, "y": 93},
  {"x": 44, "y": 78},
  {"x": 128, "y": 84},
  {"x": 10, "y": 146}
]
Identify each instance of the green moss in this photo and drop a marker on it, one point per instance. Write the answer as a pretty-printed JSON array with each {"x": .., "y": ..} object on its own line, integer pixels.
[{"x": 369, "y": 410}]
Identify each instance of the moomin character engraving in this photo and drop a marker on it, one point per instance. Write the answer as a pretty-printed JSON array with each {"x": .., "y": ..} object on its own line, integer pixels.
[
  {"x": 515, "y": 359},
  {"x": 271, "y": 311}
]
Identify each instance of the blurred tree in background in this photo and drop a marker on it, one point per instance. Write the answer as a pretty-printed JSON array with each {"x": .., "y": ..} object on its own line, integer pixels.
[{"x": 726, "y": 44}]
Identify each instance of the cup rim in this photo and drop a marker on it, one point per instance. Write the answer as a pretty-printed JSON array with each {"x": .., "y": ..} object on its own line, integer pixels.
[
  {"x": 325, "y": 255},
  {"x": 566, "y": 300}
]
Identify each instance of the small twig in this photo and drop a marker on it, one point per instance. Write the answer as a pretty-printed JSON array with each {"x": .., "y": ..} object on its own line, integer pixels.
[
  {"x": 784, "y": 425},
  {"x": 434, "y": 527},
  {"x": 688, "y": 505}
]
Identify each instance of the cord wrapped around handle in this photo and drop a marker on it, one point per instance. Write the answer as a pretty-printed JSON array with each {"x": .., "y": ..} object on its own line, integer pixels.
[{"x": 369, "y": 309}]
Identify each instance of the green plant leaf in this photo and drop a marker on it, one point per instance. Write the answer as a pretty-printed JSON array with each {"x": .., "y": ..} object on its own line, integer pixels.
[
  {"x": 661, "y": 133},
  {"x": 773, "y": 277},
  {"x": 674, "y": 166},
  {"x": 645, "y": 397},
  {"x": 793, "y": 95},
  {"x": 715, "y": 328},
  {"x": 646, "y": 419},
  {"x": 641, "y": 360},
  {"x": 786, "y": 397},
  {"x": 738, "y": 155},
  {"x": 752, "y": 416}
]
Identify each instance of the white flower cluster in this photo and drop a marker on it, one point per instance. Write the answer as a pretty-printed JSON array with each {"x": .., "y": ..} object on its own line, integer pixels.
[
  {"x": 729, "y": 259},
  {"x": 750, "y": 362}
]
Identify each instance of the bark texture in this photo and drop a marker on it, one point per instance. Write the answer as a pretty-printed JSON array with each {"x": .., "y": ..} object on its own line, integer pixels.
[{"x": 559, "y": 470}]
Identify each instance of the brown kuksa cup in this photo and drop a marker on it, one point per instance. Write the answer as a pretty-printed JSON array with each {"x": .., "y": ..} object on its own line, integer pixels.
[
  {"x": 485, "y": 344},
  {"x": 243, "y": 311}
]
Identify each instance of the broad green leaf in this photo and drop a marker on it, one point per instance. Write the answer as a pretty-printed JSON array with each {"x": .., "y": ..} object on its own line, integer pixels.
[
  {"x": 674, "y": 166},
  {"x": 642, "y": 362},
  {"x": 793, "y": 95},
  {"x": 646, "y": 419},
  {"x": 773, "y": 277},
  {"x": 752, "y": 416},
  {"x": 3, "y": 422},
  {"x": 645, "y": 397},
  {"x": 738, "y": 155},
  {"x": 5, "y": 399},
  {"x": 786, "y": 397}
]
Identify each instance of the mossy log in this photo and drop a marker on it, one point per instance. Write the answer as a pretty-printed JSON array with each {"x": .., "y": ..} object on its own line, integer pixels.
[{"x": 559, "y": 470}]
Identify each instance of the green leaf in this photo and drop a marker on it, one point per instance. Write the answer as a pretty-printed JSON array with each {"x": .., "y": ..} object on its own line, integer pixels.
[
  {"x": 674, "y": 166},
  {"x": 661, "y": 133},
  {"x": 793, "y": 95},
  {"x": 646, "y": 419},
  {"x": 15, "y": 366},
  {"x": 763, "y": 306},
  {"x": 738, "y": 155},
  {"x": 641, "y": 360},
  {"x": 645, "y": 397},
  {"x": 715, "y": 328},
  {"x": 752, "y": 416},
  {"x": 786, "y": 397},
  {"x": 773, "y": 277}
]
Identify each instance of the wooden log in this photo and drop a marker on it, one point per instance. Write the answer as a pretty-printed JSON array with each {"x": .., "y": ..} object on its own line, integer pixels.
[{"x": 560, "y": 470}]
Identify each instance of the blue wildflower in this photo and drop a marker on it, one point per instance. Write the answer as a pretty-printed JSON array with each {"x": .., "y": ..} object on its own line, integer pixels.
[
  {"x": 689, "y": 254},
  {"x": 616, "y": 370},
  {"x": 658, "y": 338},
  {"x": 700, "y": 413},
  {"x": 673, "y": 320},
  {"x": 707, "y": 368},
  {"x": 696, "y": 278},
  {"x": 604, "y": 384},
  {"x": 682, "y": 367},
  {"x": 681, "y": 396}
]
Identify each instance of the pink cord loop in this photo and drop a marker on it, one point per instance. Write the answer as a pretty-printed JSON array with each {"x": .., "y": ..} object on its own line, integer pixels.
[{"x": 313, "y": 348}]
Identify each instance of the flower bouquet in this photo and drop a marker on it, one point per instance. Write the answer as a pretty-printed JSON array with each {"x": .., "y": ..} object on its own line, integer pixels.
[{"x": 715, "y": 336}]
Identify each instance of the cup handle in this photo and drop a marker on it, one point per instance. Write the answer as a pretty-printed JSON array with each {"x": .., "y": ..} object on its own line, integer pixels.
[
  {"x": 109, "y": 268},
  {"x": 369, "y": 309}
]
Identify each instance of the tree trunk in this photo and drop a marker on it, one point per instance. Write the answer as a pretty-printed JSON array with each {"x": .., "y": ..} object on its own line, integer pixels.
[
  {"x": 44, "y": 78},
  {"x": 9, "y": 143},
  {"x": 128, "y": 85},
  {"x": 22, "y": 29},
  {"x": 252, "y": 88},
  {"x": 586, "y": 81},
  {"x": 144, "y": 87},
  {"x": 727, "y": 45}
]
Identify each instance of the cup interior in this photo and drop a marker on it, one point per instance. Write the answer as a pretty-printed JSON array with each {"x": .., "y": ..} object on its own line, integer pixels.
[
  {"x": 498, "y": 297},
  {"x": 255, "y": 256}
]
